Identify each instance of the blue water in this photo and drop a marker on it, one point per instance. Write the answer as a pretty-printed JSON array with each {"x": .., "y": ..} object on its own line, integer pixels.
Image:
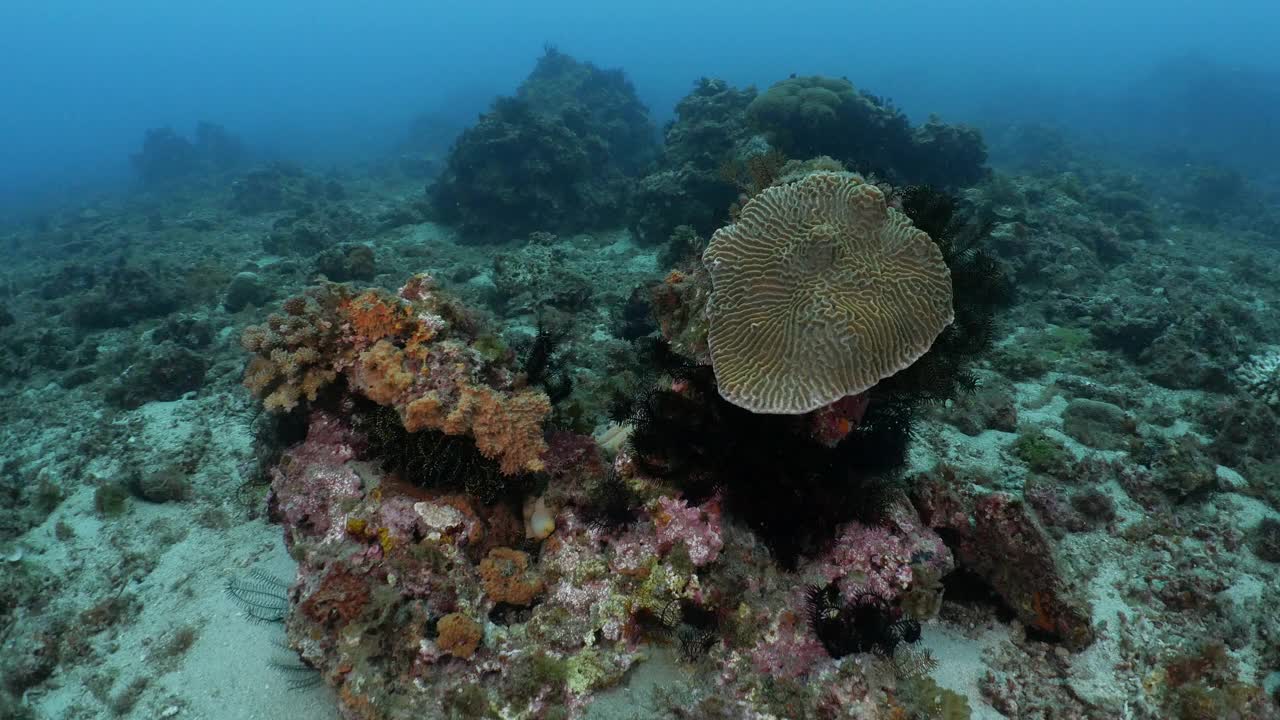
[{"x": 321, "y": 81}]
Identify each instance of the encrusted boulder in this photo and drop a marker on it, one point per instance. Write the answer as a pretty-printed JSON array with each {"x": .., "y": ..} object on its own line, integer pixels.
[
  {"x": 997, "y": 537},
  {"x": 806, "y": 117},
  {"x": 557, "y": 157}
]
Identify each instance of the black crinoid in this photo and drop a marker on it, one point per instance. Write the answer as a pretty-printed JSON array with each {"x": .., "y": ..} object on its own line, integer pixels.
[
  {"x": 610, "y": 503},
  {"x": 432, "y": 459},
  {"x": 792, "y": 490},
  {"x": 263, "y": 596},
  {"x": 546, "y": 359},
  {"x": 865, "y": 624},
  {"x": 693, "y": 628},
  {"x": 789, "y": 487},
  {"x": 979, "y": 287}
]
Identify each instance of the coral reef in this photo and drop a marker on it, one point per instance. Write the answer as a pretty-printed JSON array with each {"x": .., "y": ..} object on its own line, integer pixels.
[
  {"x": 245, "y": 289},
  {"x": 414, "y": 351},
  {"x": 281, "y": 186},
  {"x": 809, "y": 270},
  {"x": 557, "y": 157},
  {"x": 313, "y": 227},
  {"x": 528, "y": 497},
  {"x": 346, "y": 263},
  {"x": 550, "y": 626},
  {"x": 810, "y": 116},
  {"x": 833, "y": 459},
  {"x": 997, "y": 538},
  {"x": 167, "y": 158},
  {"x": 602, "y": 100},
  {"x": 1260, "y": 377},
  {"x": 727, "y": 144},
  {"x": 165, "y": 371},
  {"x": 688, "y": 186},
  {"x": 537, "y": 276},
  {"x": 122, "y": 295}
]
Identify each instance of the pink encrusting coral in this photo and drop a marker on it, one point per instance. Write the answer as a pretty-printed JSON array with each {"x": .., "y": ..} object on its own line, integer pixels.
[
  {"x": 634, "y": 551},
  {"x": 868, "y": 559},
  {"x": 697, "y": 527},
  {"x": 788, "y": 649},
  {"x": 549, "y": 623},
  {"x": 315, "y": 479}
]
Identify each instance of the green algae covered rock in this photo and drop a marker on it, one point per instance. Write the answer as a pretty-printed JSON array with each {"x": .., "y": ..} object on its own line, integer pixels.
[{"x": 809, "y": 116}]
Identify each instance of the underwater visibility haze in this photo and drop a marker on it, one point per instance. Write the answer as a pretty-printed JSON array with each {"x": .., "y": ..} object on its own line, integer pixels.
[{"x": 602, "y": 361}]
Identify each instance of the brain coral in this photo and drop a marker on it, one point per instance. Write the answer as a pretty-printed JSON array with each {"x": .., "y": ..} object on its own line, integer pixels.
[{"x": 819, "y": 291}]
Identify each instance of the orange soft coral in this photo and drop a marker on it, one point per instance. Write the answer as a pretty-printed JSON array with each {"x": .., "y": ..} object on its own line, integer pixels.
[
  {"x": 371, "y": 317},
  {"x": 424, "y": 413},
  {"x": 414, "y": 353},
  {"x": 506, "y": 577},
  {"x": 506, "y": 428},
  {"x": 510, "y": 429},
  {"x": 379, "y": 373},
  {"x": 459, "y": 635}
]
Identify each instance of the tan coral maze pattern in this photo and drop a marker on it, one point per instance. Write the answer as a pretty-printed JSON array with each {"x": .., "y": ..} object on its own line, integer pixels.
[{"x": 820, "y": 290}]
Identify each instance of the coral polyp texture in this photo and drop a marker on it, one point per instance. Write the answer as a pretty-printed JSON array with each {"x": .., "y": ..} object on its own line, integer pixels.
[
  {"x": 414, "y": 352},
  {"x": 820, "y": 290},
  {"x": 1260, "y": 377}
]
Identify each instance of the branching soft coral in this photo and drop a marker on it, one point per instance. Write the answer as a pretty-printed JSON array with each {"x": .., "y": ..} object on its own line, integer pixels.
[
  {"x": 414, "y": 352},
  {"x": 291, "y": 351}
]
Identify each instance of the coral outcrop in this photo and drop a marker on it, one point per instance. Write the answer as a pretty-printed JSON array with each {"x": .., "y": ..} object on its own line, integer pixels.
[
  {"x": 414, "y": 352},
  {"x": 280, "y": 186},
  {"x": 797, "y": 475},
  {"x": 1260, "y": 377},
  {"x": 166, "y": 157},
  {"x": 820, "y": 290},
  {"x": 996, "y": 536},
  {"x": 810, "y": 116},
  {"x": 688, "y": 186},
  {"x": 413, "y": 603},
  {"x": 557, "y": 157}
]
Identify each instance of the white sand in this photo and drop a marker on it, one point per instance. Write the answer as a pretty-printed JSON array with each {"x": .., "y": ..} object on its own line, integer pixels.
[
  {"x": 182, "y": 568},
  {"x": 960, "y": 666}
]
